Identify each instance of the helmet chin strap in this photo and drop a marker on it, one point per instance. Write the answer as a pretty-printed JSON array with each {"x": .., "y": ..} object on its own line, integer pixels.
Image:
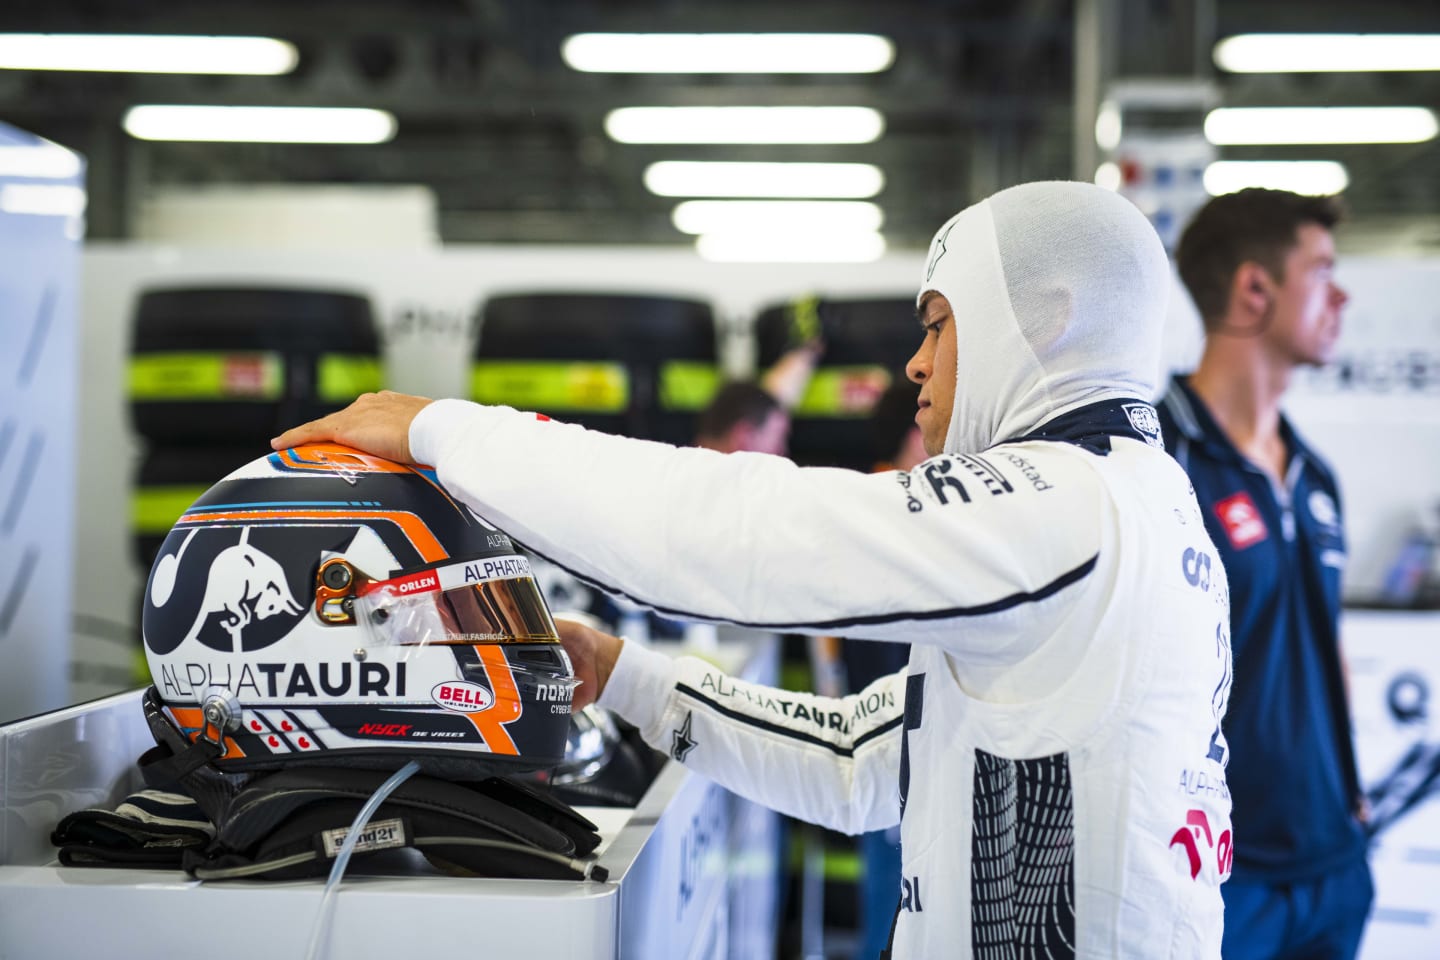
[
  {"x": 174, "y": 757},
  {"x": 178, "y": 764}
]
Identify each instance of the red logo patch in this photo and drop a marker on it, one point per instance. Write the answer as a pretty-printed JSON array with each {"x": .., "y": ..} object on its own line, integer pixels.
[
  {"x": 1241, "y": 520},
  {"x": 1188, "y": 837}
]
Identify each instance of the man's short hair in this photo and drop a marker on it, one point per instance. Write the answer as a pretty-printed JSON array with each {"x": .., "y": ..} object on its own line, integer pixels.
[
  {"x": 1249, "y": 225},
  {"x": 891, "y": 419},
  {"x": 739, "y": 401}
]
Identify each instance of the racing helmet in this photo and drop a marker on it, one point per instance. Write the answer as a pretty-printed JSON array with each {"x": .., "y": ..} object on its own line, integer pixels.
[{"x": 321, "y": 606}]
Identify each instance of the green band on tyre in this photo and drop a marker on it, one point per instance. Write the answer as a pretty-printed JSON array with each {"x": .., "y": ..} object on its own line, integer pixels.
[
  {"x": 341, "y": 377},
  {"x": 552, "y": 386},
  {"x": 843, "y": 392},
  {"x": 154, "y": 510},
  {"x": 175, "y": 376},
  {"x": 687, "y": 386}
]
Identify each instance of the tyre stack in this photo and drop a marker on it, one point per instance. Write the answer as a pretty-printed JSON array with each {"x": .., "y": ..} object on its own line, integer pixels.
[
  {"x": 215, "y": 372},
  {"x": 867, "y": 343},
  {"x": 638, "y": 366}
]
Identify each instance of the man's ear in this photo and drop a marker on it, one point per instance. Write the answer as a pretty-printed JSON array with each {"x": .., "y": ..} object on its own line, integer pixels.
[{"x": 1251, "y": 290}]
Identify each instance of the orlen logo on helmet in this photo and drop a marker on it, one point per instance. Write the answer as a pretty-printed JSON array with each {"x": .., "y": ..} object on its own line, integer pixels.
[
  {"x": 462, "y": 696},
  {"x": 422, "y": 582}
]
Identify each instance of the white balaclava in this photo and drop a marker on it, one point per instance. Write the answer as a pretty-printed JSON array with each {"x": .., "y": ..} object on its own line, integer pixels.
[{"x": 1058, "y": 291}]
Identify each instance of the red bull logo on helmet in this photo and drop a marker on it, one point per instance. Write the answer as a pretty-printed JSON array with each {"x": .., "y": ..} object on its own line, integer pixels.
[{"x": 244, "y": 585}]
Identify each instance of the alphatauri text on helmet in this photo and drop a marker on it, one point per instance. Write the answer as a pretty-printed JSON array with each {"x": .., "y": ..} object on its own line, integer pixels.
[
  {"x": 339, "y": 680},
  {"x": 497, "y": 569}
]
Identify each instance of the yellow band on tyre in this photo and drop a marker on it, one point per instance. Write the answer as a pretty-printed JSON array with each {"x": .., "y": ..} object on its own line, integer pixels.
[
  {"x": 207, "y": 376},
  {"x": 687, "y": 385},
  {"x": 341, "y": 377},
  {"x": 551, "y": 386},
  {"x": 843, "y": 392},
  {"x": 154, "y": 510}
]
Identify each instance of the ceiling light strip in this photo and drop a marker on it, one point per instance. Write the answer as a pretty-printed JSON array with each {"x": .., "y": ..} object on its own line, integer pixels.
[
  {"x": 1327, "y": 52},
  {"x": 728, "y": 52},
  {"x": 129, "y": 53},
  {"x": 750, "y": 247},
  {"x": 46, "y": 161},
  {"x": 42, "y": 199},
  {"x": 744, "y": 125},
  {"x": 780, "y": 216},
  {"x": 1309, "y": 177},
  {"x": 700, "y": 178},
  {"x": 260, "y": 124},
  {"x": 1279, "y": 125}
]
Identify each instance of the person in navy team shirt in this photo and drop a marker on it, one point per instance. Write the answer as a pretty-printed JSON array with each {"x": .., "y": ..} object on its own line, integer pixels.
[{"x": 1260, "y": 267}]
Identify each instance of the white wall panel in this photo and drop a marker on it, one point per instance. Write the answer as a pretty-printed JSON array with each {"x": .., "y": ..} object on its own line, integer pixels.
[{"x": 39, "y": 263}]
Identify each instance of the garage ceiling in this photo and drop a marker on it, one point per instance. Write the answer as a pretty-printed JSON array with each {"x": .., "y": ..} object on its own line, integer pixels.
[{"x": 511, "y": 141}]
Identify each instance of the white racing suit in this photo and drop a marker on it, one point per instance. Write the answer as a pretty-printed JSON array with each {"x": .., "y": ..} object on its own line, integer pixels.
[{"x": 1053, "y": 752}]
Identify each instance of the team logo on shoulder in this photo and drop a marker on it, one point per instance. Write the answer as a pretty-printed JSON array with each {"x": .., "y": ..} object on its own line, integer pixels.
[
  {"x": 1322, "y": 508},
  {"x": 1146, "y": 421}
]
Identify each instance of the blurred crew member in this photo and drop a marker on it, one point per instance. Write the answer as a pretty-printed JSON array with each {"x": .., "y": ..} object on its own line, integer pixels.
[{"x": 1260, "y": 266}]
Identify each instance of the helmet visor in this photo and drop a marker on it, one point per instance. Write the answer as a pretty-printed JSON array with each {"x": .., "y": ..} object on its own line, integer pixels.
[{"x": 489, "y": 600}]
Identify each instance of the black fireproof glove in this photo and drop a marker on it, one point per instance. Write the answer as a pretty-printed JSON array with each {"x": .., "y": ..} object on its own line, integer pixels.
[{"x": 152, "y": 828}]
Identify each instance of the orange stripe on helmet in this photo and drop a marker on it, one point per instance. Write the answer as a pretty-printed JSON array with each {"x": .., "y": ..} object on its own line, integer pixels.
[
  {"x": 507, "y": 707},
  {"x": 336, "y": 458},
  {"x": 341, "y": 460},
  {"x": 414, "y": 528}
]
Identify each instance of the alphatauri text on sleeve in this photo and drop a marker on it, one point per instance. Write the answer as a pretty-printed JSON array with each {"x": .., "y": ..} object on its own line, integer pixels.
[{"x": 830, "y": 761}]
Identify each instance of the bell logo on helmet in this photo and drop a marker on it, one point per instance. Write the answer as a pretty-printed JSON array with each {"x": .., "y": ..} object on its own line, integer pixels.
[{"x": 462, "y": 696}]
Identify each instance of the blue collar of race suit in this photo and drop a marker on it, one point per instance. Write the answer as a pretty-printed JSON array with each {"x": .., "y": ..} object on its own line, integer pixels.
[{"x": 1095, "y": 424}]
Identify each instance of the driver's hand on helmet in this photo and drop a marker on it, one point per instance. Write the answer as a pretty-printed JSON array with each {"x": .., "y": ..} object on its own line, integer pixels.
[
  {"x": 592, "y": 654},
  {"x": 376, "y": 423}
]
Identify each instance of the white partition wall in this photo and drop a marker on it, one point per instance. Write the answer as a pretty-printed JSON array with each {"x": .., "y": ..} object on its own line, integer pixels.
[{"x": 41, "y": 208}]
